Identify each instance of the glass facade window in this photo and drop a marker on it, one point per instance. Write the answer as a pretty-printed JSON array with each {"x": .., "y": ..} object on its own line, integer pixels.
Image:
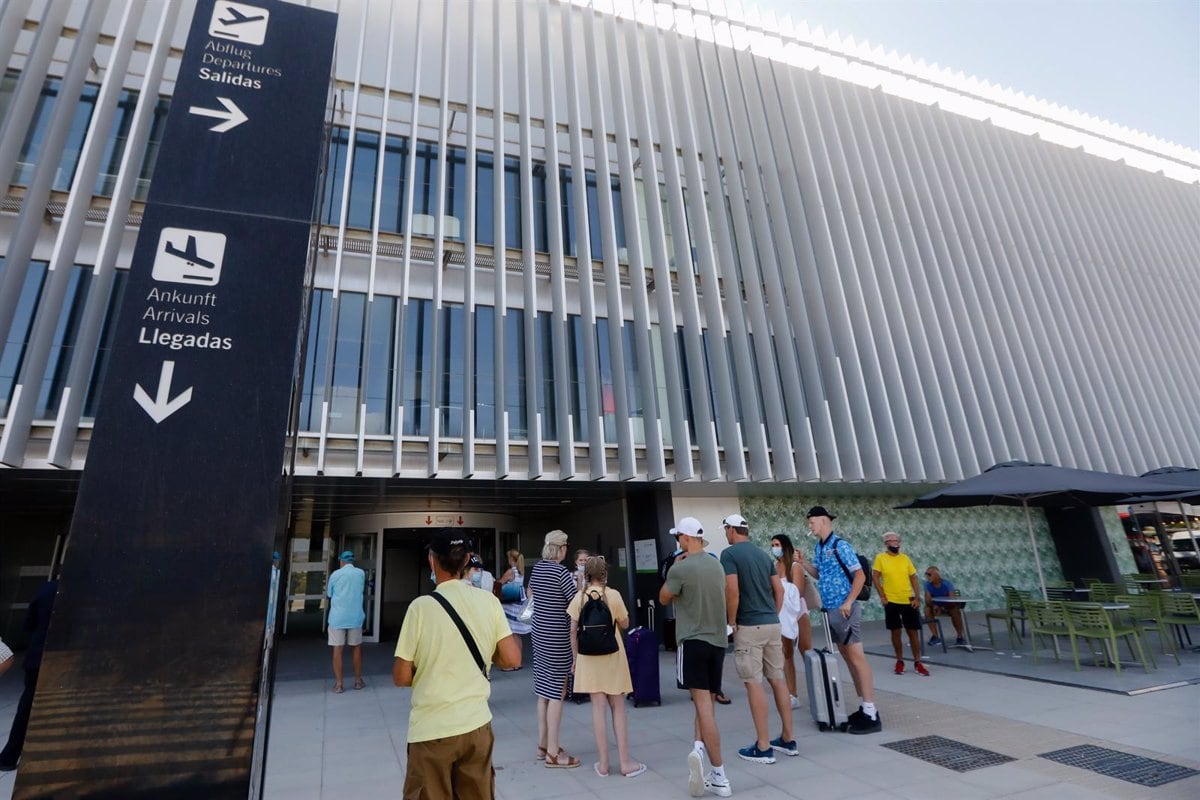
[
  {"x": 633, "y": 386},
  {"x": 485, "y": 372},
  {"x": 547, "y": 404},
  {"x": 418, "y": 360},
  {"x": 685, "y": 379},
  {"x": 116, "y": 292},
  {"x": 380, "y": 365},
  {"x": 62, "y": 348},
  {"x": 514, "y": 374},
  {"x": 453, "y": 366},
  {"x": 118, "y": 138},
  {"x": 485, "y": 217},
  {"x": 16, "y": 340},
  {"x": 35, "y": 139},
  {"x": 577, "y": 364},
  {"x": 312, "y": 392},
  {"x": 608, "y": 399},
  {"x": 347, "y": 362}
]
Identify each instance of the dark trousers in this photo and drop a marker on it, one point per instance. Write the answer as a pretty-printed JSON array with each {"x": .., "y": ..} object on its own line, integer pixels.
[{"x": 16, "y": 737}]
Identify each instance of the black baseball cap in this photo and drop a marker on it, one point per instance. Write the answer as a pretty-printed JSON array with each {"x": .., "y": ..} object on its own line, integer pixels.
[
  {"x": 820, "y": 511},
  {"x": 446, "y": 539}
]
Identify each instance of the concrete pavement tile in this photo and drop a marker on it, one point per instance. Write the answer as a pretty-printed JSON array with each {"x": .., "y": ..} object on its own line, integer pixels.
[
  {"x": 948, "y": 786},
  {"x": 1061, "y": 791},
  {"x": 1005, "y": 779}
]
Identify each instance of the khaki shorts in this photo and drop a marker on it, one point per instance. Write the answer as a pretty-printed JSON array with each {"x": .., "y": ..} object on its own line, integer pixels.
[
  {"x": 758, "y": 652},
  {"x": 343, "y": 636}
]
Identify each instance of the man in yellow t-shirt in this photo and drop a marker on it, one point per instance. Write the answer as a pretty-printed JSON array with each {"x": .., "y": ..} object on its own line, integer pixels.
[
  {"x": 450, "y": 727},
  {"x": 896, "y": 581}
]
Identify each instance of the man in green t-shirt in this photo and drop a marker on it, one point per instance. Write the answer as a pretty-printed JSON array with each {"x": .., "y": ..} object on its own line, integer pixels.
[
  {"x": 753, "y": 598},
  {"x": 696, "y": 584}
]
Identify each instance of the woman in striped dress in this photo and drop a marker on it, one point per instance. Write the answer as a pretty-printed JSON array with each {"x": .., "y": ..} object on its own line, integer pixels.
[{"x": 553, "y": 587}]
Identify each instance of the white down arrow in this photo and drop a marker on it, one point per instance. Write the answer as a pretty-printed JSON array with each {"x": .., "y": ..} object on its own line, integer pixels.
[{"x": 160, "y": 407}]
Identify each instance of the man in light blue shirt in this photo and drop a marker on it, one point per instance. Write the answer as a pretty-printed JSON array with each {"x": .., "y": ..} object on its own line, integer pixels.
[{"x": 346, "y": 617}]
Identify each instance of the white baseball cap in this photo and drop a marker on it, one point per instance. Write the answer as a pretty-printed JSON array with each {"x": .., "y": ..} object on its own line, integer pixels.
[
  {"x": 689, "y": 526},
  {"x": 736, "y": 521}
]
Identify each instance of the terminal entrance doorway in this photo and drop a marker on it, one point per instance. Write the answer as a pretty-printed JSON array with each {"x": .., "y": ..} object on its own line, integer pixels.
[{"x": 390, "y": 547}]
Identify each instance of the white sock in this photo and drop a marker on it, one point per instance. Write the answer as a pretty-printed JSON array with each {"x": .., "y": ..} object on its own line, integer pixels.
[
  {"x": 869, "y": 710},
  {"x": 719, "y": 773}
]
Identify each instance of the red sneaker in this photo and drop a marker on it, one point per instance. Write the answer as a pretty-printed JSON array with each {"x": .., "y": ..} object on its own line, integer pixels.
[
  {"x": 920, "y": 668},
  {"x": 900, "y": 666}
]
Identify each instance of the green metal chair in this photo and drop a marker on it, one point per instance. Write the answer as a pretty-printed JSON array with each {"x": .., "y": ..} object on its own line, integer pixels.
[
  {"x": 1105, "y": 592},
  {"x": 1145, "y": 611},
  {"x": 1190, "y": 580},
  {"x": 1013, "y": 612},
  {"x": 1091, "y": 621},
  {"x": 1049, "y": 618},
  {"x": 1179, "y": 609}
]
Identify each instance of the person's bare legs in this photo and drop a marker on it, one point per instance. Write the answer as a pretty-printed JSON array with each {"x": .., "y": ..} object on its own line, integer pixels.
[
  {"x": 554, "y": 712},
  {"x": 706, "y": 725},
  {"x": 783, "y": 702},
  {"x": 956, "y": 618},
  {"x": 542, "y": 708},
  {"x": 804, "y": 640},
  {"x": 860, "y": 670},
  {"x": 897, "y": 645},
  {"x": 337, "y": 664},
  {"x": 599, "y": 729},
  {"x": 356, "y": 659},
  {"x": 758, "y": 712},
  {"x": 620, "y": 721},
  {"x": 789, "y": 664},
  {"x": 914, "y": 641}
]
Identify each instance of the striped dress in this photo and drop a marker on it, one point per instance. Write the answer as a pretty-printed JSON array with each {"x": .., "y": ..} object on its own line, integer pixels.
[{"x": 553, "y": 587}]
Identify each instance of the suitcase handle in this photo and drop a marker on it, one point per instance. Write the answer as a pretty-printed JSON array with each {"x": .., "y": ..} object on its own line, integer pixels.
[{"x": 828, "y": 632}]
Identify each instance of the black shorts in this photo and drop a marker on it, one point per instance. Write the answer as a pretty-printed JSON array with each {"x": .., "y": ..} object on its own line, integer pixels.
[
  {"x": 698, "y": 665},
  {"x": 901, "y": 615}
]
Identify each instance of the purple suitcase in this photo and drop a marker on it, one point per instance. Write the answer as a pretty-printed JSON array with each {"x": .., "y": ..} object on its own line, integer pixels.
[{"x": 641, "y": 648}]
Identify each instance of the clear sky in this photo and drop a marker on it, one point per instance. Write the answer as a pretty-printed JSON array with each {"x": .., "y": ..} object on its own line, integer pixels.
[{"x": 1132, "y": 62}]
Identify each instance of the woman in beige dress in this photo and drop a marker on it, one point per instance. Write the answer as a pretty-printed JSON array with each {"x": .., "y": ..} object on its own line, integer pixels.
[{"x": 605, "y": 678}]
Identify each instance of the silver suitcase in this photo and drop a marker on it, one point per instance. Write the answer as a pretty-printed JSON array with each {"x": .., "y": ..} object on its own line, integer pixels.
[{"x": 822, "y": 671}]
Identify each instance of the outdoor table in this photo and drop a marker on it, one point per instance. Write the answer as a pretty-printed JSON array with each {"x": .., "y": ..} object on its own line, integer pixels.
[
  {"x": 1150, "y": 581},
  {"x": 961, "y": 603}
]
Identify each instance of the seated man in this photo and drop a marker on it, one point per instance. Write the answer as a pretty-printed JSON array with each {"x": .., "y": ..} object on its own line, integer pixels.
[{"x": 936, "y": 586}]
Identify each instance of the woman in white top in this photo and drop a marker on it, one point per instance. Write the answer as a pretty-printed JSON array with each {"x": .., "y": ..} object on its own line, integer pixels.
[{"x": 795, "y": 627}]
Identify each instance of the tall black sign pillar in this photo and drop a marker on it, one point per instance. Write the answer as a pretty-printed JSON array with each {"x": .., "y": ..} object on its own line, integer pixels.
[{"x": 149, "y": 685}]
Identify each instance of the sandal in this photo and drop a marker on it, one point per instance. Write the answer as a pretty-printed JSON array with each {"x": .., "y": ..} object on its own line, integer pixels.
[
  {"x": 722, "y": 699},
  {"x": 637, "y": 771},
  {"x": 541, "y": 756},
  {"x": 337, "y": 688},
  {"x": 359, "y": 684},
  {"x": 596, "y": 767},
  {"x": 556, "y": 762}
]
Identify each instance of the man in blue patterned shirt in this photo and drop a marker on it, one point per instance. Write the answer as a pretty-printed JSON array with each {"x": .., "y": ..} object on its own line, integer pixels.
[{"x": 840, "y": 577}]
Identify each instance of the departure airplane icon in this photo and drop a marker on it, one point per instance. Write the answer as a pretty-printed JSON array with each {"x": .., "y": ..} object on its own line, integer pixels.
[
  {"x": 238, "y": 17},
  {"x": 241, "y": 22},
  {"x": 189, "y": 254}
]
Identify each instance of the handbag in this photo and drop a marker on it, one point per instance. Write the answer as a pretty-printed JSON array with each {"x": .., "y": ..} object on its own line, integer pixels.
[{"x": 526, "y": 612}]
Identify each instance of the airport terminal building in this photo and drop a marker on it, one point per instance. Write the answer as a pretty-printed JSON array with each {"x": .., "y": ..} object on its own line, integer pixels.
[{"x": 598, "y": 265}]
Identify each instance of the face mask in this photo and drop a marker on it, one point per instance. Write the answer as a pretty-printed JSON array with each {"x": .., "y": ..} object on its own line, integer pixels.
[
  {"x": 777, "y": 552},
  {"x": 476, "y": 578},
  {"x": 432, "y": 576},
  {"x": 893, "y": 548}
]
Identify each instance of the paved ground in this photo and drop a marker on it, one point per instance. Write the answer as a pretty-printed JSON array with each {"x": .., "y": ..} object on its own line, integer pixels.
[{"x": 327, "y": 747}]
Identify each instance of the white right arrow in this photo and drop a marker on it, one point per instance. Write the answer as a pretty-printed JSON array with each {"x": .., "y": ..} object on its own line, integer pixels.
[
  {"x": 232, "y": 115},
  {"x": 160, "y": 408}
]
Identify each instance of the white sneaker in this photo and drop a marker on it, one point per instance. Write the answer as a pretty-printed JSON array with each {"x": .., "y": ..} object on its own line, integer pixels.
[
  {"x": 718, "y": 786},
  {"x": 696, "y": 773},
  {"x": 795, "y": 701}
]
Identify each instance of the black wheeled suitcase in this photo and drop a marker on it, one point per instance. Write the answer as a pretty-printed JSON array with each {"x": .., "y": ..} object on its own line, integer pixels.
[{"x": 826, "y": 698}]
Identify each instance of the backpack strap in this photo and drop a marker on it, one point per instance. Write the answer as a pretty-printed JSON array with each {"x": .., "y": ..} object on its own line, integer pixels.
[
  {"x": 462, "y": 628},
  {"x": 841, "y": 563}
]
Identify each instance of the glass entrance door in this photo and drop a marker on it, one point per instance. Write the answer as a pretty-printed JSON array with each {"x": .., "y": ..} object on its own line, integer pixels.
[{"x": 365, "y": 547}]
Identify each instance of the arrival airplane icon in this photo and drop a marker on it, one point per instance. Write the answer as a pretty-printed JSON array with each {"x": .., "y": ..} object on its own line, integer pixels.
[
  {"x": 242, "y": 23},
  {"x": 198, "y": 261}
]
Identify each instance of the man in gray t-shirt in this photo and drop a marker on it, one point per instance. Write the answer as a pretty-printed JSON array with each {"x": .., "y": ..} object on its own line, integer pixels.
[{"x": 753, "y": 597}]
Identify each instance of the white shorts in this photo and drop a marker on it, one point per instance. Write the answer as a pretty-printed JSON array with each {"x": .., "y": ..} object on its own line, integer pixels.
[{"x": 344, "y": 636}]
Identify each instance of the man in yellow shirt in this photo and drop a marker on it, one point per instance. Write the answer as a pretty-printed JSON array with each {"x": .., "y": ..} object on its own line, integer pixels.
[
  {"x": 896, "y": 581},
  {"x": 450, "y": 727}
]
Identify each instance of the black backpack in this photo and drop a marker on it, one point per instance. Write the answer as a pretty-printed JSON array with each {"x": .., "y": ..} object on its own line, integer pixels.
[
  {"x": 864, "y": 594},
  {"x": 597, "y": 633}
]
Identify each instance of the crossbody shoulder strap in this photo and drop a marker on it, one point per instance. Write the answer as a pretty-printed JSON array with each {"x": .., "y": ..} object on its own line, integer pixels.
[{"x": 462, "y": 628}]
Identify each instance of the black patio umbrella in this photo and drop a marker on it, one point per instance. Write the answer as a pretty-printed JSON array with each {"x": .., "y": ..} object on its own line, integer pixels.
[{"x": 1025, "y": 484}]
